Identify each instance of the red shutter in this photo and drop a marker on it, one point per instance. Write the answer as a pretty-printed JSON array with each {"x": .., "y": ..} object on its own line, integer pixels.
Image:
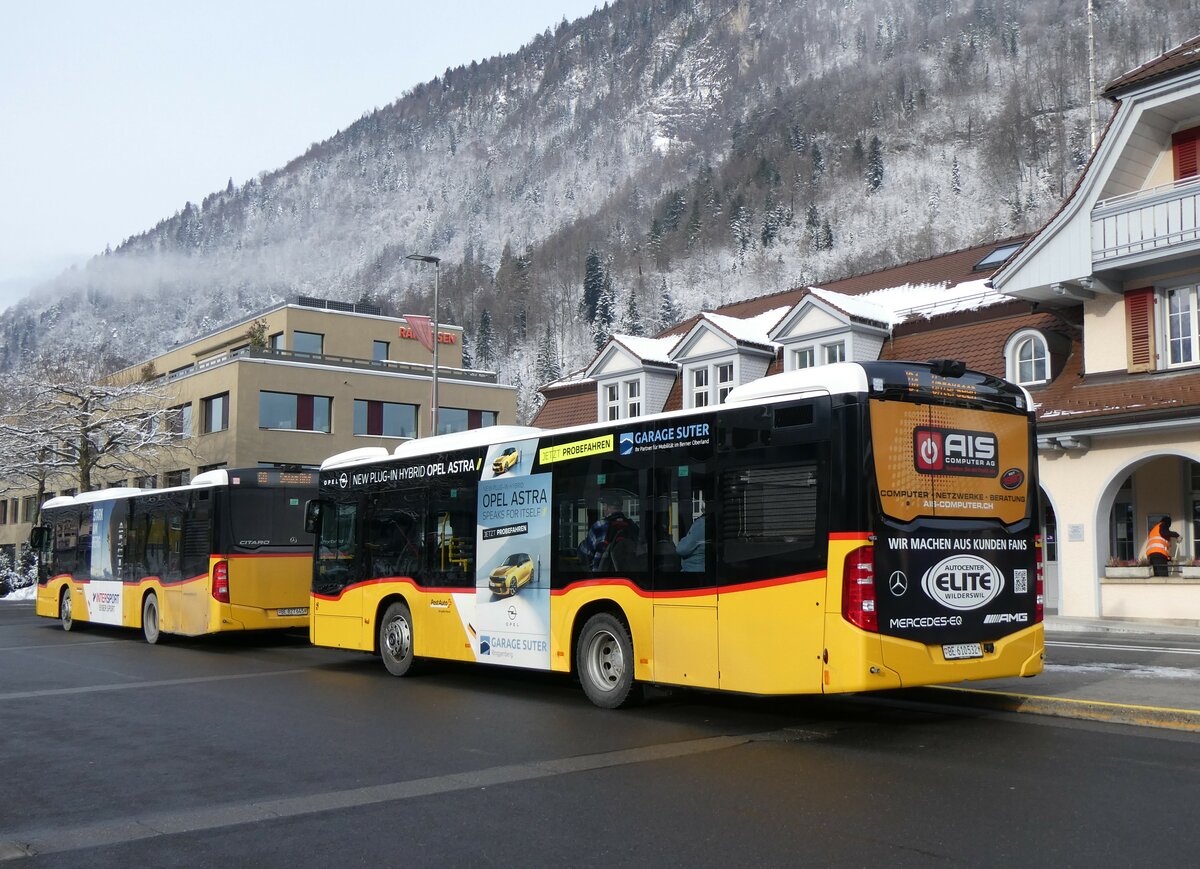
[
  {"x": 1139, "y": 321},
  {"x": 304, "y": 412},
  {"x": 1185, "y": 147}
]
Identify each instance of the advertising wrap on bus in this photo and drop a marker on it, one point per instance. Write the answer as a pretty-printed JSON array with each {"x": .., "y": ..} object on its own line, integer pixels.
[{"x": 953, "y": 581}]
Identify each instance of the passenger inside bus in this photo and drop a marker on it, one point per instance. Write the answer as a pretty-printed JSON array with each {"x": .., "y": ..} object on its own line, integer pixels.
[
  {"x": 612, "y": 541},
  {"x": 691, "y": 547}
]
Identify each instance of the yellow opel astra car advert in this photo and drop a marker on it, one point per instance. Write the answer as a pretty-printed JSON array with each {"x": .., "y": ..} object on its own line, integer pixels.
[
  {"x": 506, "y": 460},
  {"x": 514, "y": 572}
]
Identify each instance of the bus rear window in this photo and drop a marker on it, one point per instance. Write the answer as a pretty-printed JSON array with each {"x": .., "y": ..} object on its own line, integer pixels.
[{"x": 268, "y": 517}]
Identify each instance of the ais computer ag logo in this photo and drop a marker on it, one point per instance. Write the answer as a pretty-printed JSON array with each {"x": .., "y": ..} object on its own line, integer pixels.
[{"x": 626, "y": 443}]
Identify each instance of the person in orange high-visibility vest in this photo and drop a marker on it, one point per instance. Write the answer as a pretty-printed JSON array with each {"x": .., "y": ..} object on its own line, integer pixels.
[{"x": 1158, "y": 545}]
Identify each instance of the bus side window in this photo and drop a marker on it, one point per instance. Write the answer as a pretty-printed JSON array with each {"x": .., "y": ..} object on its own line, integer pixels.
[
  {"x": 83, "y": 549},
  {"x": 66, "y": 539},
  {"x": 769, "y": 520},
  {"x": 450, "y": 535},
  {"x": 394, "y": 536},
  {"x": 682, "y": 533}
]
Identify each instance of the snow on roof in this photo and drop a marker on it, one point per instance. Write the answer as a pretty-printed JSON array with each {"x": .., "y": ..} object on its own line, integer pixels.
[
  {"x": 926, "y": 300},
  {"x": 649, "y": 349},
  {"x": 858, "y": 307},
  {"x": 752, "y": 329}
]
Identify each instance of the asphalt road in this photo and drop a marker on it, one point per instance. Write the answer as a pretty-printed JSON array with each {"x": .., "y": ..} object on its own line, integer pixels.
[{"x": 263, "y": 751}]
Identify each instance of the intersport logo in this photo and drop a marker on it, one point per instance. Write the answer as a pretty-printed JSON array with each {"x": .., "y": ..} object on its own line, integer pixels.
[
  {"x": 955, "y": 451},
  {"x": 963, "y": 582}
]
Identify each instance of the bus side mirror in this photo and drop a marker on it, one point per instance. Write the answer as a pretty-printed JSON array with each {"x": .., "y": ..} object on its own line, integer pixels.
[
  {"x": 312, "y": 515},
  {"x": 39, "y": 537}
]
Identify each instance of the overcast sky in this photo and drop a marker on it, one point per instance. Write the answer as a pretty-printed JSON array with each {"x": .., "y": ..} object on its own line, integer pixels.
[{"x": 114, "y": 114}]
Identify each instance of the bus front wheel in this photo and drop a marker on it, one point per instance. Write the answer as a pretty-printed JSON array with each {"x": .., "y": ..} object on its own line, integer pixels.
[
  {"x": 150, "y": 626},
  {"x": 64, "y": 611},
  {"x": 396, "y": 639},
  {"x": 604, "y": 659}
]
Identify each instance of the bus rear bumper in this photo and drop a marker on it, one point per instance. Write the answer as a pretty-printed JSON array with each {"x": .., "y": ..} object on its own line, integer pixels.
[{"x": 1019, "y": 654}]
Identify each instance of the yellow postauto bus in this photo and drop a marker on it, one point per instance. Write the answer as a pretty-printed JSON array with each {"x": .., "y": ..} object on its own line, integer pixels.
[
  {"x": 226, "y": 552},
  {"x": 845, "y": 528}
]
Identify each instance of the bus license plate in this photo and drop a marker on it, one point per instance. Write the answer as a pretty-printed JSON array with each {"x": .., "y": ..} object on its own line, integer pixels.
[
  {"x": 962, "y": 651},
  {"x": 293, "y": 611}
]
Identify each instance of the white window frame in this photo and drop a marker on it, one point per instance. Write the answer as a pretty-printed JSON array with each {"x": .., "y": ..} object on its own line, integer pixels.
[
  {"x": 806, "y": 354},
  {"x": 612, "y": 401},
  {"x": 698, "y": 386},
  {"x": 633, "y": 397},
  {"x": 704, "y": 386},
  {"x": 1012, "y": 357},
  {"x": 834, "y": 348},
  {"x": 724, "y": 385},
  {"x": 1189, "y": 342}
]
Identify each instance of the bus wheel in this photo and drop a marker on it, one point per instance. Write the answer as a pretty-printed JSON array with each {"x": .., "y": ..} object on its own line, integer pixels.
[
  {"x": 396, "y": 639},
  {"x": 150, "y": 626},
  {"x": 605, "y": 662},
  {"x": 64, "y": 612}
]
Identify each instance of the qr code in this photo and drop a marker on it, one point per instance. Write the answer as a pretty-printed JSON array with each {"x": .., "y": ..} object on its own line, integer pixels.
[{"x": 1021, "y": 581}]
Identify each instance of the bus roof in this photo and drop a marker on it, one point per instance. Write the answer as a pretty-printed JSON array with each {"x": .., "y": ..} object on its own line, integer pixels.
[{"x": 476, "y": 437}]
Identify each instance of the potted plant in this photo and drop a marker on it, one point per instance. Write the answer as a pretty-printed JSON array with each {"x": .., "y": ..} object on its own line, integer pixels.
[
  {"x": 1190, "y": 568},
  {"x": 1125, "y": 568}
]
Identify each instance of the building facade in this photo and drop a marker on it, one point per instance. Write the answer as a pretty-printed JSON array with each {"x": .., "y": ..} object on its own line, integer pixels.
[{"x": 317, "y": 378}]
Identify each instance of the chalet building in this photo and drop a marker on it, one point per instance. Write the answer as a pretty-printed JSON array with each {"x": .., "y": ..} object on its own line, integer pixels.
[
  {"x": 1119, "y": 439},
  {"x": 332, "y": 377},
  {"x": 1097, "y": 314}
]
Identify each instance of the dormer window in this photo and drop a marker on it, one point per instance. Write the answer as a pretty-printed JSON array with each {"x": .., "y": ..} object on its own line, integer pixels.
[
  {"x": 1027, "y": 358},
  {"x": 805, "y": 357},
  {"x": 700, "y": 387},
  {"x": 710, "y": 383},
  {"x": 621, "y": 399}
]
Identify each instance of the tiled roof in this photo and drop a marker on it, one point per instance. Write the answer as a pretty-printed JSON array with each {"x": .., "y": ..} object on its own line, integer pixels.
[
  {"x": 1074, "y": 401},
  {"x": 567, "y": 405},
  {"x": 1178, "y": 59},
  {"x": 980, "y": 345}
]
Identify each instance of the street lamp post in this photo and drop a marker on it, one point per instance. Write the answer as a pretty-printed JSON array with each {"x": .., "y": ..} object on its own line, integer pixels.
[{"x": 437, "y": 268}]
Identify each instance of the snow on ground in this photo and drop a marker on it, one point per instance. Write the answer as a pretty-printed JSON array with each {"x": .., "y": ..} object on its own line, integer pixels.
[{"x": 29, "y": 592}]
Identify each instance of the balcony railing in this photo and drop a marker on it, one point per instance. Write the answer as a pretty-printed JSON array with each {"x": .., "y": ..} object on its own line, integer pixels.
[
  {"x": 324, "y": 359},
  {"x": 1146, "y": 222}
]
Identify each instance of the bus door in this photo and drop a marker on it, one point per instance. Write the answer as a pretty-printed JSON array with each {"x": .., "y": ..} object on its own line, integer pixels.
[
  {"x": 684, "y": 579},
  {"x": 773, "y": 515},
  {"x": 337, "y": 612},
  {"x": 103, "y": 591}
]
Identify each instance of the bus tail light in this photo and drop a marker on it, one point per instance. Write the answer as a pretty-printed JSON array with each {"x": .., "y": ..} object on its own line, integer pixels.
[
  {"x": 1039, "y": 580},
  {"x": 220, "y": 583},
  {"x": 858, "y": 589}
]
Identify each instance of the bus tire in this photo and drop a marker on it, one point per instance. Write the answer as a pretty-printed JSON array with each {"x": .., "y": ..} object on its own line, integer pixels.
[
  {"x": 65, "y": 614},
  {"x": 396, "y": 639},
  {"x": 151, "y": 628},
  {"x": 604, "y": 662}
]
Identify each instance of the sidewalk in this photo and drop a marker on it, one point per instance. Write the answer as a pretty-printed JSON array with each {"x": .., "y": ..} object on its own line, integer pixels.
[
  {"x": 1072, "y": 625},
  {"x": 1163, "y": 694}
]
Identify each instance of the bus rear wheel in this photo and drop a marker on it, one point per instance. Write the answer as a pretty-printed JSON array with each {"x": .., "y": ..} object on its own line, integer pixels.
[
  {"x": 150, "y": 625},
  {"x": 64, "y": 612},
  {"x": 605, "y": 662},
  {"x": 396, "y": 639}
]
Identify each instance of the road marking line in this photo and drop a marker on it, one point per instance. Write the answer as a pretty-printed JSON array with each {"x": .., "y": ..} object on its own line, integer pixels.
[
  {"x": 1111, "y": 647},
  {"x": 159, "y": 683},
  {"x": 118, "y": 831},
  {"x": 60, "y": 645}
]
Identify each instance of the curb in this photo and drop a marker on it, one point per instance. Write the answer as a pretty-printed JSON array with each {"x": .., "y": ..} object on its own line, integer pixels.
[{"x": 1187, "y": 720}]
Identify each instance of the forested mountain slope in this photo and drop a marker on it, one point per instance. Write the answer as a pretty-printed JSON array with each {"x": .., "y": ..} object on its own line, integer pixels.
[{"x": 686, "y": 151}]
